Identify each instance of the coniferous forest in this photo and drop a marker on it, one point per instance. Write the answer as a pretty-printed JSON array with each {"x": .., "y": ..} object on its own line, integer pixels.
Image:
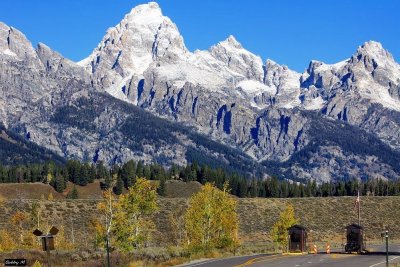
[{"x": 124, "y": 176}]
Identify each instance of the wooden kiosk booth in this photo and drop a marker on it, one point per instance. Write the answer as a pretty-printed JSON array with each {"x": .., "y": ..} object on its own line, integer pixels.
[
  {"x": 355, "y": 238},
  {"x": 297, "y": 238}
]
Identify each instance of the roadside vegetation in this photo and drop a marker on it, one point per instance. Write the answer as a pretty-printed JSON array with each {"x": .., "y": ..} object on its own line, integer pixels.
[
  {"x": 168, "y": 243},
  {"x": 129, "y": 207},
  {"x": 279, "y": 230},
  {"x": 211, "y": 220},
  {"x": 125, "y": 226}
]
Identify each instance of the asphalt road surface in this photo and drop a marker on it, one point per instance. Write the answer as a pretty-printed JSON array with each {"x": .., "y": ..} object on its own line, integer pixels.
[{"x": 377, "y": 258}]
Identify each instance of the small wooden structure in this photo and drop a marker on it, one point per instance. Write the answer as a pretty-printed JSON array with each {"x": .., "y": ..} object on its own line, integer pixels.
[
  {"x": 47, "y": 241},
  {"x": 354, "y": 238},
  {"x": 297, "y": 238}
]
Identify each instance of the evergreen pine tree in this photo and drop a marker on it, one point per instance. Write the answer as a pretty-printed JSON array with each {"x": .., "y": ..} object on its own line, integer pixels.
[
  {"x": 173, "y": 171},
  {"x": 101, "y": 171},
  {"x": 92, "y": 173},
  {"x": 108, "y": 181},
  {"x": 59, "y": 185},
  {"x": 161, "y": 187},
  {"x": 74, "y": 170},
  {"x": 83, "y": 175},
  {"x": 128, "y": 173},
  {"x": 139, "y": 169},
  {"x": 147, "y": 172},
  {"x": 118, "y": 186},
  {"x": 73, "y": 194}
]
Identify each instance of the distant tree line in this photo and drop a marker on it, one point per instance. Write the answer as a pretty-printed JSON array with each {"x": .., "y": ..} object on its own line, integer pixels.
[{"x": 123, "y": 176}]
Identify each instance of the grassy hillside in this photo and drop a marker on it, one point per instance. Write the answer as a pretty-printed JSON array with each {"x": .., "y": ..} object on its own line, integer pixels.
[
  {"x": 325, "y": 218},
  {"x": 40, "y": 191},
  {"x": 28, "y": 191},
  {"x": 89, "y": 191},
  {"x": 173, "y": 189}
]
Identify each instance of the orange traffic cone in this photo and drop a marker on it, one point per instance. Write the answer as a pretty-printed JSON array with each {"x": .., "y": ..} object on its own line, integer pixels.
[{"x": 328, "y": 248}]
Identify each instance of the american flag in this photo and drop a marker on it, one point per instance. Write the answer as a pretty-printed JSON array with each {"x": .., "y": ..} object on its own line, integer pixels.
[{"x": 357, "y": 202}]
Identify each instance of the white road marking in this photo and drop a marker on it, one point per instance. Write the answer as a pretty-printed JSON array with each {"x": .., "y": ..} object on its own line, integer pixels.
[{"x": 376, "y": 264}]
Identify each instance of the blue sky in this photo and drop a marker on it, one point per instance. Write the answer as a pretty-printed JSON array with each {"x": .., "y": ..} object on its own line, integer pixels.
[{"x": 289, "y": 32}]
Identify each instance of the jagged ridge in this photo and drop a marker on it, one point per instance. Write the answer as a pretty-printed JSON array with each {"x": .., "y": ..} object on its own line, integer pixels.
[{"x": 226, "y": 93}]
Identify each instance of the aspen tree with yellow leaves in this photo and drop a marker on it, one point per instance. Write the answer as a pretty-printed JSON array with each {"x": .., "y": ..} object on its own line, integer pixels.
[
  {"x": 6, "y": 241},
  {"x": 18, "y": 220},
  {"x": 133, "y": 226},
  {"x": 36, "y": 212},
  {"x": 107, "y": 210},
  {"x": 279, "y": 231},
  {"x": 211, "y": 220},
  {"x": 98, "y": 229},
  {"x": 62, "y": 241}
]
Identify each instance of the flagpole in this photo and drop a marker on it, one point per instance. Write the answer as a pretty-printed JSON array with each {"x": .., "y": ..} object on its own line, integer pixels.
[{"x": 359, "y": 207}]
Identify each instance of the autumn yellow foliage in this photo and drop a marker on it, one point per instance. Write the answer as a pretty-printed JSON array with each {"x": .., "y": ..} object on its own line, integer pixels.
[
  {"x": 125, "y": 221},
  {"x": 106, "y": 221},
  {"x": 132, "y": 224},
  {"x": 98, "y": 231},
  {"x": 62, "y": 241},
  {"x": 211, "y": 220},
  {"x": 7, "y": 242},
  {"x": 18, "y": 220},
  {"x": 279, "y": 231}
]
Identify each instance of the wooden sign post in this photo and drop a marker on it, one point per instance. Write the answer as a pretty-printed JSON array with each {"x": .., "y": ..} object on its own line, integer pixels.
[{"x": 47, "y": 241}]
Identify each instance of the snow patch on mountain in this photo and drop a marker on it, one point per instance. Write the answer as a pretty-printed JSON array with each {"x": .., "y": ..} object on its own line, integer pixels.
[
  {"x": 8, "y": 52},
  {"x": 377, "y": 94},
  {"x": 314, "y": 104},
  {"x": 331, "y": 67},
  {"x": 253, "y": 87},
  {"x": 237, "y": 59},
  {"x": 184, "y": 71},
  {"x": 116, "y": 90}
]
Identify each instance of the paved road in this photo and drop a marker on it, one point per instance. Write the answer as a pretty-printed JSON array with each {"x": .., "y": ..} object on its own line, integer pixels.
[{"x": 375, "y": 259}]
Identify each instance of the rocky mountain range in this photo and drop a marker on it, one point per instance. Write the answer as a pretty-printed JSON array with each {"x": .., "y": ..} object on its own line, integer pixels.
[{"x": 142, "y": 94}]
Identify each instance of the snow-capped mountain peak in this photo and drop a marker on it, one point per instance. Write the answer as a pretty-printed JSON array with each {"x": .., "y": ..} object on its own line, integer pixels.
[
  {"x": 146, "y": 42},
  {"x": 370, "y": 74},
  {"x": 373, "y": 57},
  {"x": 241, "y": 62},
  {"x": 232, "y": 42},
  {"x": 127, "y": 50},
  {"x": 145, "y": 13},
  {"x": 14, "y": 43},
  {"x": 225, "y": 92},
  {"x": 375, "y": 50}
]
